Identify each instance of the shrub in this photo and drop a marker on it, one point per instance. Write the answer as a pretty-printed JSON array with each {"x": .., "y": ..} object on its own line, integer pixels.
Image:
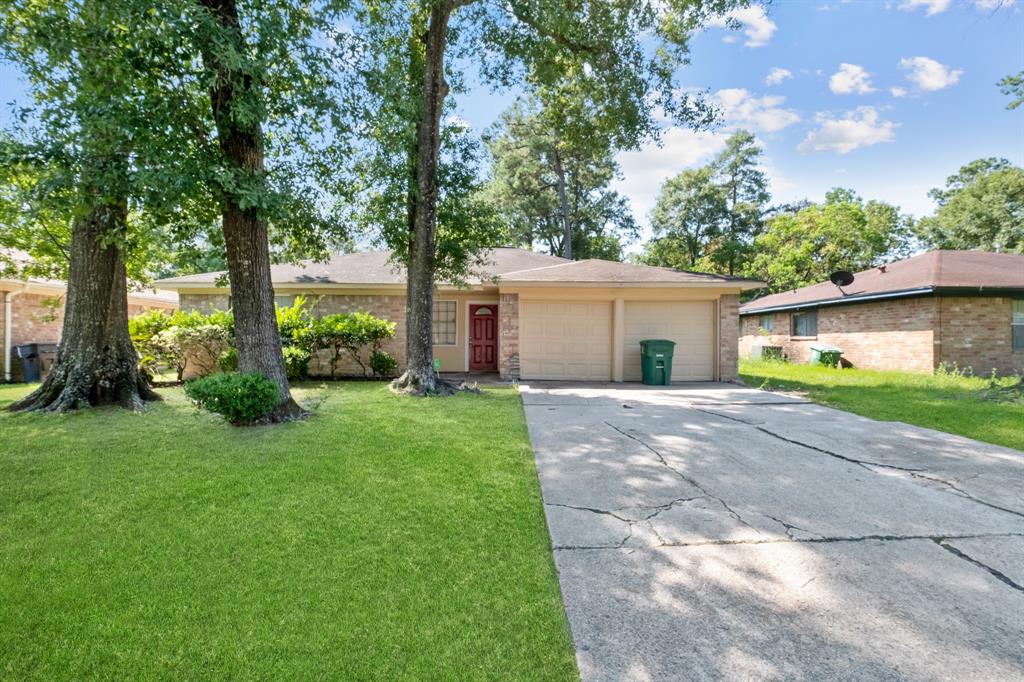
[
  {"x": 228, "y": 360},
  {"x": 296, "y": 362},
  {"x": 171, "y": 341},
  {"x": 383, "y": 364},
  {"x": 354, "y": 333},
  {"x": 293, "y": 322},
  {"x": 239, "y": 398}
]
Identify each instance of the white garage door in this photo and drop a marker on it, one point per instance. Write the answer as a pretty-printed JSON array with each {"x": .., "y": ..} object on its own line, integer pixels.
[
  {"x": 565, "y": 340},
  {"x": 691, "y": 325}
]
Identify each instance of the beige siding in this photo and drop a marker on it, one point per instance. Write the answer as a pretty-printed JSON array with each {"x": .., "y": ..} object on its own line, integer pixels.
[
  {"x": 691, "y": 324},
  {"x": 565, "y": 340}
]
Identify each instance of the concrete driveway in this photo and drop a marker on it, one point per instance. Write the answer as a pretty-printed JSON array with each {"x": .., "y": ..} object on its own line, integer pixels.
[{"x": 716, "y": 532}]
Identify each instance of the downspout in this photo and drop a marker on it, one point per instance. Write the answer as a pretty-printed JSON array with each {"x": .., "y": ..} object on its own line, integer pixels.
[{"x": 8, "y": 317}]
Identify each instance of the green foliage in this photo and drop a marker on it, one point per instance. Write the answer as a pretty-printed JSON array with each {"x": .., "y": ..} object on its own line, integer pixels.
[
  {"x": 352, "y": 333},
  {"x": 707, "y": 218},
  {"x": 1013, "y": 87},
  {"x": 228, "y": 360},
  {"x": 981, "y": 207},
  {"x": 239, "y": 398},
  {"x": 534, "y": 158},
  {"x": 293, "y": 321},
  {"x": 296, "y": 362},
  {"x": 844, "y": 233},
  {"x": 181, "y": 338},
  {"x": 383, "y": 364}
]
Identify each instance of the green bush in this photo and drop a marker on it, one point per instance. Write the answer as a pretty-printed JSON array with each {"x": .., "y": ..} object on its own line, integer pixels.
[
  {"x": 239, "y": 398},
  {"x": 354, "y": 333},
  {"x": 296, "y": 362},
  {"x": 383, "y": 364},
  {"x": 228, "y": 360}
]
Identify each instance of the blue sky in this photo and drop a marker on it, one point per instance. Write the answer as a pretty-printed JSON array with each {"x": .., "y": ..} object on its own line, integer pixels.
[
  {"x": 824, "y": 124},
  {"x": 831, "y": 115}
]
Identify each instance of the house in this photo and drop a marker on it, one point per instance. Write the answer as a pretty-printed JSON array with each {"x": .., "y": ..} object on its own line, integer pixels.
[
  {"x": 33, "y": 312},
  {"x": 526, "y": 315},
  {"x": 939, "y": 308}
]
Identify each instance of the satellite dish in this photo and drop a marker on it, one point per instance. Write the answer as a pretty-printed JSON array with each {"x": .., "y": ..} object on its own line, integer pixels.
[{"x": 841, "y": 278}]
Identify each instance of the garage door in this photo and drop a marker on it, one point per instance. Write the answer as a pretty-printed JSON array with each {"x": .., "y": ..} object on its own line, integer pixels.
[
  {"x": 691, "y": 325},
  {"x": 565, "y": 340}
]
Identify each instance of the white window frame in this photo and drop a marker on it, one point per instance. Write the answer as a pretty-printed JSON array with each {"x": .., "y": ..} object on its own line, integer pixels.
[
  {"x": 455, "y": 333},
  {"x": 761, "y": 325},
  {"x": 288, "y": 296}
]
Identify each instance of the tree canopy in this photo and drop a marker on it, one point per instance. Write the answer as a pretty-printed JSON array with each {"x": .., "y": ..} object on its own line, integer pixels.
[{"x": 981, "y": 207}]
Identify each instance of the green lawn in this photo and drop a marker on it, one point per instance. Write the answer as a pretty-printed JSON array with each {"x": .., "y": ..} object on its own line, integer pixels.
[
  {"x": 970, "y": 406},
  {"x": 384, "y": 538}
]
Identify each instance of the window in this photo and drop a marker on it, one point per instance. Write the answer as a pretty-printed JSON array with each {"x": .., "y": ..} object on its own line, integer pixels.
[
  {"x": 806, "y": 323},
  {"x": 445, "y": 320},
  {"x": 284, "y": 301},
  {"x": 765, "y": 323},
  {"x": 1017, "y": 325}
]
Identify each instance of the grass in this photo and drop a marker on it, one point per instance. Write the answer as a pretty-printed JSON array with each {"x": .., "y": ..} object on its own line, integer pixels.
[
  {"x": 384, "y": 538},
  {"x": 979, "y": 408}
]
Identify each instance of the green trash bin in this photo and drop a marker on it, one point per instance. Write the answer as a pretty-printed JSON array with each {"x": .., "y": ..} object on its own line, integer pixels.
[
  {"x": 825, "y": 355},
  {"x": 656, "y": 361}
]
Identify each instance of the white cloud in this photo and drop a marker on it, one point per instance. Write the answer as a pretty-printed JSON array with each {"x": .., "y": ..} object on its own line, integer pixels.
[
  {"x": 929, "y": 74},
  {"x": 644, "y": 171},
  {"x": 898, "y": 92},
  {"x": 758, "y": 28},
  {"x": 777, "y": 75},
  {"x": 860, "y": 128},
  {"x": 986, "y": 5},
  {"x": 760, "y": 114},
  {"x": 932, "y": 7},
  {"x": 850, "y": 79}
]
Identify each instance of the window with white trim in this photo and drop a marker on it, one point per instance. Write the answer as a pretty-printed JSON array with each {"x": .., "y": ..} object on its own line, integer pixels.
[
  {"x": 1017, "y": 325},
  {"x": 805, "y": 323},
  {"x": 284, "y": 301},
  {"x": 445, "y": 323},
  {"x": 765, "y": 323}
]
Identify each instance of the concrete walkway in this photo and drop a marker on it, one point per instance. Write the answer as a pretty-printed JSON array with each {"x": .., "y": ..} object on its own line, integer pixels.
[{"x": 707, "y": 532}]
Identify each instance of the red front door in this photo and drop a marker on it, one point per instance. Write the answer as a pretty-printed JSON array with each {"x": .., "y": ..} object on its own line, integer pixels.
[{"x": 483, "y": 337}]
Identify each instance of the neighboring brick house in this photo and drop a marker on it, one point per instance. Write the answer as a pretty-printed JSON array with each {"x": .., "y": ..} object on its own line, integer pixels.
[
  {"x": 963, "y": 308},
  {"x": 525, "y": 315},
  {"x": 33, "y": 312}
]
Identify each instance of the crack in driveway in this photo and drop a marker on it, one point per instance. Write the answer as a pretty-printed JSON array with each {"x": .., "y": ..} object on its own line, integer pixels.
[
  {"x": 661, "y": 458},
  {"x": 999, "y": 575},
  {"x": 866, "y": 464}
]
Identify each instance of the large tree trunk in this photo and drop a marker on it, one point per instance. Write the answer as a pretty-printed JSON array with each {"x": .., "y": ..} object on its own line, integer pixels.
[
  {"x": 96, "y": 362},
  {"x": 419, "y": 377},
  {"x": 240, "y": 136},
  {"x": 563, "y": 202}
]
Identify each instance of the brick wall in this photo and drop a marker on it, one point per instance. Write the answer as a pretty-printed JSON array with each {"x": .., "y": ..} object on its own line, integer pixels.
[
  {"x": 728, "y": 335},
  {"x": 508, "y": 344},
  {"x": 975, "y": 333},
  {"x": 880, "y": 335},
  {"x": 914, "y": 334}
]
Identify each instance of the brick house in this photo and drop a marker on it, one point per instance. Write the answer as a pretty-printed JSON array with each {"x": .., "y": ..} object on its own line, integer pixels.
[
  {"x": 939, "y": 308},
  {"x": 524, "y": 314},
  {"x": 33, "y": 312}
]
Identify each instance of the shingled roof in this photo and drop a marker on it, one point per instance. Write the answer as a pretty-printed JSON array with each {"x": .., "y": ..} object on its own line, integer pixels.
[
  {"x": 375, "y": 268},
  {"x": 951, "y": 272}
]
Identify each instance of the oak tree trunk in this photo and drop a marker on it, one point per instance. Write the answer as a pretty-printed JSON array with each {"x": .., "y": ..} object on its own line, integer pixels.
[
  {"x": 240, "y": 137},
  {"x": 96, "y": 362},
  {"x": 563, "y": 202},
  {"x": 419, "y": 377}
]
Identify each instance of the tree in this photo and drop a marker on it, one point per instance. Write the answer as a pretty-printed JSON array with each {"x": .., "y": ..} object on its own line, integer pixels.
[
  {"x": 1013, "y": 86},
  {"x": 83, "y": 77},
  {"x": 707, "y": 218},
  {"x": 745, "y": 187},
  {"x": 549, "y": 185},
  {"x": 981, "y": 207},
  {"x": 844, "y": 233},
  {"x": 623, "y": 55},
  {"x": 689, "y": 213}
]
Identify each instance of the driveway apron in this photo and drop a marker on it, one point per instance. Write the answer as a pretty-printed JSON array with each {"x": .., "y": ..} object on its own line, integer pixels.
[{"x": 710, "y": 532}]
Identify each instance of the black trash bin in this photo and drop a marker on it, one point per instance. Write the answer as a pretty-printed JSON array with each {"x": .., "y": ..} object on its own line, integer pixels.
[{"x": 29, "y": 356}]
